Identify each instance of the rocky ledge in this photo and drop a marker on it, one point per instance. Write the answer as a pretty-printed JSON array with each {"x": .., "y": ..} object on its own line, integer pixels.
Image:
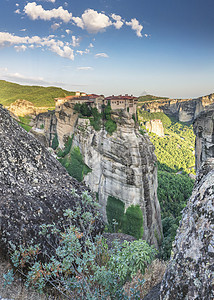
[{"x": 34, "y": 188}]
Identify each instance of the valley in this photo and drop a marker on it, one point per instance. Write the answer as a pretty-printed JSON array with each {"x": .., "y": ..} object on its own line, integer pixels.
[{"x": 135, "y": 158}]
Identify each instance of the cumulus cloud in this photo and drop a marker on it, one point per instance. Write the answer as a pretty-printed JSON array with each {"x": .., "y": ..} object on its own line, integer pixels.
[
  {"x": 56, "y": 46},
  {"x": 55, "y": 26},
  {"x": 68, "y": 31},
  {"x": 119, "y": 23},
  {"x": 93, "y": 21},
  {"x": 20, "y": 48},
  {"x": 75, "y": 41},
  {"x": 81, "y": 52},
  {"x": 17, "y": 11},
  {"x": 35, "y": 12},
  {"x": 136, "y": 26},
  {"x": 101, "y": 55},
  {"x": 85, "y": 68},
  {"x": 91, "y": 45}
]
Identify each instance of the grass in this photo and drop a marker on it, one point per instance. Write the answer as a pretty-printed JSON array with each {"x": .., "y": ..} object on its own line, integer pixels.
[{"x": 40, "y": 96}]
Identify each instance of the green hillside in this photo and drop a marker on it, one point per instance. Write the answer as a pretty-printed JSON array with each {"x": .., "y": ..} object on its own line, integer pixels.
[
  {"x": 40, "y": 96},
  {"x": 150, "y": 98}
]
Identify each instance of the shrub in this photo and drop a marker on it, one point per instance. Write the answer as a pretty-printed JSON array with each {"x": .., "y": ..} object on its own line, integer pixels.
[
  {"x": 55, "y": 142},
  {"x": 115, "y": 212},
  {"x": 76, "y": 166},
  {"x": 110, "y": 126},
  {"x": 67, "y": 148},
  {"x": 133, "y": 221},
  {"x": 130, "y": 258},
  {"x": 82, "y": 267}
]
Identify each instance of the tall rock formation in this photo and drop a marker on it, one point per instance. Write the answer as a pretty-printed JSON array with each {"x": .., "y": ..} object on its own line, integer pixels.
[
  {"x": 190, "y": 274},
  {"x": 124, "y": 166},
  {"x": 34, "y": 188},
  {"x": 204, "y": 131},
  {"x": 184, "y": 110}
]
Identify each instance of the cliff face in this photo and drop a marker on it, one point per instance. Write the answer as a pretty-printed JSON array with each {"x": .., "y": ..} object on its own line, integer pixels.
[
  {"x": 204, "y": 131},
  {"x": 155, "y": 126},
  {"x": 23, "y": 107},
  {"x": 34, "y": 188},
  {"x": 184, "y": 110},
  {"x": 190, "y": 274},
  {"x": 124, "y": 166}
]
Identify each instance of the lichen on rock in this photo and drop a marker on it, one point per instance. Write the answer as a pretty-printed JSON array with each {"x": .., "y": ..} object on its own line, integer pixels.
[
  {"x": 34, "y": 188},
  {"x": 190, "y": 274}
]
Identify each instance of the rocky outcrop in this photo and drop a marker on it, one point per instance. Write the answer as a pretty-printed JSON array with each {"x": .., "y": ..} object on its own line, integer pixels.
[
  {"x": 45, "y": 127},
  {"x": 190, "y": 274},
  {"x": 66, "y": 121},
  {"x": 23, "y": 107},
  {"x": 34, "y": 188},
  {"x": 204, "y": 131},
  {"x": 184, "y": 110},
  {"x": 124, "y": 166},
  {"x": 155, "y": 126}
]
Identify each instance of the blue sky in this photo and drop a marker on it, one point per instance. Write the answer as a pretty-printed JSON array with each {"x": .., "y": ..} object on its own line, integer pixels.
[{"x": 110, "y": 46}]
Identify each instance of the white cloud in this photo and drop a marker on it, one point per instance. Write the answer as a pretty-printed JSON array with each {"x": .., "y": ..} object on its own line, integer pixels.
[
  {"x": 56, "y": 46},
  {"x": 17, "y": 11},
  {"x": 55, "y": 26},
  {"x": 101, "y": 55},
  {"x": 85, "y": 68},
  {"x": 135, "y": 25},
  {"x": 20, "y": 48},
  {"x": 17, "y": 4},
  {"x": 91, "y": 45},
  {"x": 119, "y": 23},
  {"x": 35, "y": 12},
  {"x": 24, "y": 29},
  {"x": 81, "y": 52},
  {"x": 93, "y": 21},
  {"x": 75, "y": 41},
  {"x": 68, "y": 31}
]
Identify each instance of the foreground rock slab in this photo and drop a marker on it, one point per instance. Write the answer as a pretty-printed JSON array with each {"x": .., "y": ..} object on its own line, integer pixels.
[
  {"x": 190, "y": 274},
  {"x": 34, "y": 188}
]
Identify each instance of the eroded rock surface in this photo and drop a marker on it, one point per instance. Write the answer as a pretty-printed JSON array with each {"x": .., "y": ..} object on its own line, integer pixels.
[
  {"x": 190, "y": 274},
  {"x": 204, "y": 131},
  {"x": 184, "y": 110},
  {"x": 34, "y": 188},
  {"x": 124, "y": 166}
]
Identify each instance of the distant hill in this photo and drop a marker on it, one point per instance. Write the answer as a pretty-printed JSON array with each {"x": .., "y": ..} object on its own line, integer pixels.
[
  {"x": 40, "y": 96},
  {"x": 150, "y": 98}
]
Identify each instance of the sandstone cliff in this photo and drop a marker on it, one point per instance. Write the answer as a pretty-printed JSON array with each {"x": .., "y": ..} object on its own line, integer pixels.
[
  {"x": 124, "y": 166},
  {"x": 184, "y": 110},
  {"x": 204, "y": 131},
  {"x": 34, "y": 188},
  {"x": 155, "y": 126},
  {"x": 190, "y": 274},
  {"x": 23, "y": 107}
]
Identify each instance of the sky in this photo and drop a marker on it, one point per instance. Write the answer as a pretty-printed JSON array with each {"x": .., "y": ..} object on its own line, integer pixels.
[{"x": 110, "y": 47}]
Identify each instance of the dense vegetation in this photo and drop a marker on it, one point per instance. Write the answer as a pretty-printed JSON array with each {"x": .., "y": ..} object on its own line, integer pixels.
[
  {"x": 175, "y": 154},
  {"x": 96, "y": 118},
  {"x": 129, "y": 222},
  {"x": 38, "y": 95}
]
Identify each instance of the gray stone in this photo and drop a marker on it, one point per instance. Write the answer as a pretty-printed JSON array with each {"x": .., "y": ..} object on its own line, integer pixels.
[
  {"x": 34, "y": 188},
  {"x": 190, "y": 274}
]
